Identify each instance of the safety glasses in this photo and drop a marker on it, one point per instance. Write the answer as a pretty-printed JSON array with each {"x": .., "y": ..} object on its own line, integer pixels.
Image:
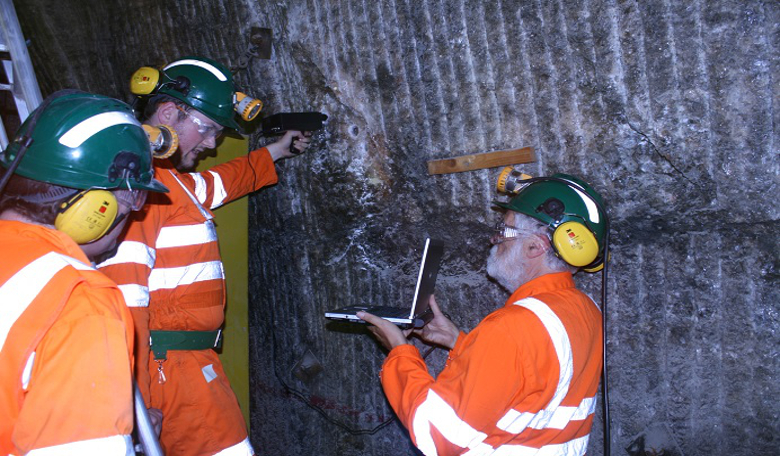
[
  {"x": 504, "y": 232},
  {"x": 206, "y": 131}
]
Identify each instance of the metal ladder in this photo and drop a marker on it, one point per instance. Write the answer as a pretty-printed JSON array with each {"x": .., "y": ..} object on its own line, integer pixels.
[{"x": 18, "y": 68}]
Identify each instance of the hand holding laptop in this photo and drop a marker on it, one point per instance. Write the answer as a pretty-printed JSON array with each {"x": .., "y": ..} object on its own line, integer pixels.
[
  {"x": 439, "y": 331},
  {"x": 388, "y": 334}
]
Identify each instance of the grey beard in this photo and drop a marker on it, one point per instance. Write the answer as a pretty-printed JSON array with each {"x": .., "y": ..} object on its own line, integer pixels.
[{"x": 507, "y": 271}]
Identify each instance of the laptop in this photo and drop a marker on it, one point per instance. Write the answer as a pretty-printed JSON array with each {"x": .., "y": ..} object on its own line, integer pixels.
[{"x": 419, "y": 313}]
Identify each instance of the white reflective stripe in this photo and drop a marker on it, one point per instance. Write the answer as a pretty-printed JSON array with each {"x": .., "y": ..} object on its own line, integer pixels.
[
  {"x": 435, "y": 411},
  {"x": 195, "y": 201},
  {"x": 27, "y": 373},
  {"x": 95, "y": 124},
  {"x": 22, "y": 288},
  {"x": 132, "y": 252},
  {"x": 554, "y": 419},
  {"x": 576, "y": 447},
  {"x": 135, "y": 295},
  {"x": 243, "y": 448},
  {"x": 590, "y": 205},
  {"x": 180, "y": 236},
  {"x": 514, "y": 421},
  {"x": 168, "y": 278},
  {"x": 200, "y": 64},
  {"x": 114, "y": 445},
  {"x": 200, "y": 187},
  {"x": 219, "y": 191}
]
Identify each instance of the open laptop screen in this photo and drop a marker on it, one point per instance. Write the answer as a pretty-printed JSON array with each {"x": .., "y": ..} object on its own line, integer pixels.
[{"x": 418, "y": 313}]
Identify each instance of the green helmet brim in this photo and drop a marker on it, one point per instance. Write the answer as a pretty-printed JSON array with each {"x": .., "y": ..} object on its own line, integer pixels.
[{"x": 153, "y": 186}]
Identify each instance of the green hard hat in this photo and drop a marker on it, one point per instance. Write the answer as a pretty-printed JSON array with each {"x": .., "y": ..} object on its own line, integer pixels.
[
  {"x": 84, "y": 141},
  {"x": 203, "y": 84},
  {"x": 558, "y": 199}
]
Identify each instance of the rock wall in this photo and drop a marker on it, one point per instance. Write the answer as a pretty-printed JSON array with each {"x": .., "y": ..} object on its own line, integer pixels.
[{"x": 667, "y": 108}]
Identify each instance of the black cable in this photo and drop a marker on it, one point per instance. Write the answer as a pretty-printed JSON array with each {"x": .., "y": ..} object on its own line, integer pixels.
[
  {"x": 303, "y": 398},
  {"x": 25, "y": 142},
  {"x": 605, "y": 380}
]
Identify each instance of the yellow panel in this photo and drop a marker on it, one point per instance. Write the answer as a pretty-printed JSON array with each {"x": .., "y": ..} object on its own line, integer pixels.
[{"x": 232, "y": 229}]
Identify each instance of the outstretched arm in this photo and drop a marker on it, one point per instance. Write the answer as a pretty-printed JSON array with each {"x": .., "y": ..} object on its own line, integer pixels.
[{"x": 281, "y": 148}]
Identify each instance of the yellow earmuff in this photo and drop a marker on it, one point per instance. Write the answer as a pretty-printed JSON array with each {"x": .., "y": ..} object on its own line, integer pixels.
[
  {"x": 144, "y": 81},
  {"x": 87, "y": 216},
  {"x": 575, "y": 244}
]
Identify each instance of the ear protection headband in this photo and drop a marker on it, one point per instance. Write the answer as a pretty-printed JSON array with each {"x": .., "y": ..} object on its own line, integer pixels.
[
  {"x": 573, "y": 241},
  {"x": 88, "y": 215},
  {"x": 147, "y": 81},
  {"x": 572, "y": 236}
]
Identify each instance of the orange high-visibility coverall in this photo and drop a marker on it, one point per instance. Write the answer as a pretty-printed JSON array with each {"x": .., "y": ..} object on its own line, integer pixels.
[
  {"x": 524, "y": 379},
  {"x": 66, "y": 341},
  {"x": 170, "y": 272}
]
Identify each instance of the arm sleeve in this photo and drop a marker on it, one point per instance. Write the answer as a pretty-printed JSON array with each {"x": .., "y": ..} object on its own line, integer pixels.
[
  {"x": 481, "y": 378},
  {"x": 228, "y": 181},
  {"x": 80, "y": 386}
]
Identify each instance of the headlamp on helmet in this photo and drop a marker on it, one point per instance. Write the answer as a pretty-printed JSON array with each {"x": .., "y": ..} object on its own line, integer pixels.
[
  {"x": 247, "y": 107},
  {"x": 202, "y": 84},
  {"x": 573, "y": 211}
]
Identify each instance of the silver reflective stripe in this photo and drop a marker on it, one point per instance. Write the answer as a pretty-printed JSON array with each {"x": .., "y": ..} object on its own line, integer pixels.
[
  {"x": 514, "y": 421},
  {"x": 200, "y": 64},
  {"x": 576, "y": 447},
  {"x": 132, "y": 252},
  {"x": 554, "y": 419},
  {"x": 202, "y": 210},
  {"x": 27, "y": 372},
  {"x": 243, "y": 448},
  {"x": 114, "y": 445},
  {"x": 135, "y": 295},
  {"x": 200, "y": 187},
  {"x": 219, "y": 191},
  {"x": 23, "y": 287},
  {"x": 180, "y": 236},
  {"x": 87, "y": 128},
  {"x": 169, "y": 278},
  {"x": 434, "y": 411}
]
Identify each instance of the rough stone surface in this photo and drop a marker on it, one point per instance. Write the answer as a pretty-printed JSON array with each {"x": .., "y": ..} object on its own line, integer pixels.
[{"x": 666, "y": 107}]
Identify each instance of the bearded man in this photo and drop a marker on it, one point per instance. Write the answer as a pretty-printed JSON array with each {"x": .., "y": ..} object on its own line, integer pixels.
[{"x": 524, "y": 380}]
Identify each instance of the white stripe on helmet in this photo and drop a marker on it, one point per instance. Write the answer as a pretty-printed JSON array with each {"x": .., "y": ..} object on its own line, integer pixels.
[{"x": 95, "y": 124}]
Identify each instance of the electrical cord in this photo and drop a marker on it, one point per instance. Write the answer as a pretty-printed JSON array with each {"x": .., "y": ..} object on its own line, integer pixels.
[
  {"x": 605, "y": 380},
  {"x": 305, "y": 399}
]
